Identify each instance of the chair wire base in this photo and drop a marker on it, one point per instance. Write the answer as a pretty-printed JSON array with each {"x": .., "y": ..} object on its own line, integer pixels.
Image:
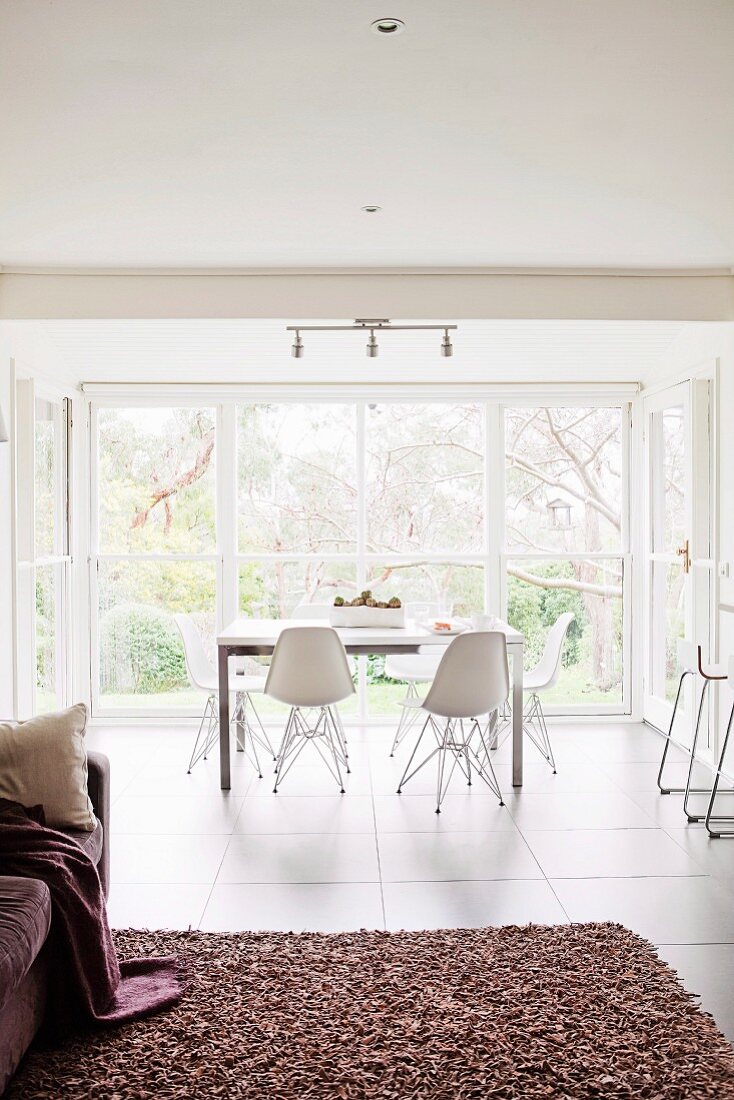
[
  {"x": 408, "y": 716},
  {"x": 248, "y": 735},
  {"x": 207, "y": 733},
  {"x": 455, "y": 742},
  {"x": 325, "y": 732},
  {"x": 533, "y": 724}
]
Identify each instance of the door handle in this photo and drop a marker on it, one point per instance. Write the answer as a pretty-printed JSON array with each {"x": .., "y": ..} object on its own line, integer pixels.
[{"x": 684, "y": 552}]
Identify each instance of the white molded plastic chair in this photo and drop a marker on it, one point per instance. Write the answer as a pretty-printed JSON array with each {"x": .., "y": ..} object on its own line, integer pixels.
[
  {"x": 319, "y": 611},
  {"x": 472, "y": 679},
  {"x": 542, "y": 678},
  {"x": 203, "y": 676},
  {"x": 412, "y": 669},
  {"x": 309, "y": 671}
]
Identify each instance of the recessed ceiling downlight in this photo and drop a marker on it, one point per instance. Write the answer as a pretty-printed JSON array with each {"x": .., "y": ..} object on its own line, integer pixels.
[
  {"x": 388, "y": 26},
  {"x": 371, "y": 209}
]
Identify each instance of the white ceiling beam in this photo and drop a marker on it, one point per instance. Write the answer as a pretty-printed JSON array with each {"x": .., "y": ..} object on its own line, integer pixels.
[{"x": 418, "y": 294}]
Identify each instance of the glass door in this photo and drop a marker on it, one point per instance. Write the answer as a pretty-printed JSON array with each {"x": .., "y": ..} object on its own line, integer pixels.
[{"x": 680, "y": 571}]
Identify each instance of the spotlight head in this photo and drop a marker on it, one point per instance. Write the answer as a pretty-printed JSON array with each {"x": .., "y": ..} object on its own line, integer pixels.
[
  {"x": 372, "y": 348},
  {"x": 447, "y": 348},
  {"x": 297, "y": 348}
]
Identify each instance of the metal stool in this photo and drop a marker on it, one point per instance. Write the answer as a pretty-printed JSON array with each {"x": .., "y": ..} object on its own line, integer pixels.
[{"x": 710, "y": 815}]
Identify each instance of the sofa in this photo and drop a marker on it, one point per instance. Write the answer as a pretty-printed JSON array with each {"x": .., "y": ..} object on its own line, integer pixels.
[{"x": 25, "y": 919}]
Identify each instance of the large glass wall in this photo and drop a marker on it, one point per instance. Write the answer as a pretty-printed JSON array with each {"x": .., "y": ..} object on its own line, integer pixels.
[
  {"x": 156, "y": 552},
  {"x": 564, "y": 542},
  {"x": 263, "y": 507},
  {"x": 51, "y": 552}
]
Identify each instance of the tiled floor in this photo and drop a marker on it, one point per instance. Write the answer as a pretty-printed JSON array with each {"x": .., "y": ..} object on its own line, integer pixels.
[{"x": 595, "y": 842}]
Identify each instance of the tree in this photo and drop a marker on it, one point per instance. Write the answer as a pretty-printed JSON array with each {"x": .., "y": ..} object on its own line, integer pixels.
[{"x": 575, "y": 453}]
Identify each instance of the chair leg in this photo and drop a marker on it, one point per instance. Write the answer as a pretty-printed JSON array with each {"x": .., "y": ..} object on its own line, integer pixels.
[
  {"x": 289, "y": 749},
  {"x": 259, "y": 734},
  {"x": 454, "y": 748},
  {"x": 238, "y": 723},
  {"x": 205, "y": 739},
  {"x": 407, "y": 774},
  {"x": 710, "y": 816},
  {"x": 323, "y": 734},
  {"x": 408, "y": 717},
  {"x": 501, "y": 724},
  {"x": 669, "y": 736},
  {"x": 244, "y": 732},
  {"x": 490, "y": 778},
  {"x": 340, "y": 737},
  {"x": 689, "y": 789},
  {"x": 536, "y": 729}
]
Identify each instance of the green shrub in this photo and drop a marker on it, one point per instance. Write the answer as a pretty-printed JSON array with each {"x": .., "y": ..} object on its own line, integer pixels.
[{"x": 141, "y": 651}]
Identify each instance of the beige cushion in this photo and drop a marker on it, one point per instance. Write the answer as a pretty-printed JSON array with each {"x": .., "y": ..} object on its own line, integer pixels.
[{"x": 43, "y": 761}]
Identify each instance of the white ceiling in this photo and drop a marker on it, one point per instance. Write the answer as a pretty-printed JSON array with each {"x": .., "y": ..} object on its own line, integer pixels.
[
  {"x": 240, "y": 133},
  {"x": 259, "y": 350}
]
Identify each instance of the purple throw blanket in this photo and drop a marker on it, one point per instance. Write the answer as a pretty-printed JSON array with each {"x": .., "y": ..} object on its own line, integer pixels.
[{"x": 89, "y": 985}]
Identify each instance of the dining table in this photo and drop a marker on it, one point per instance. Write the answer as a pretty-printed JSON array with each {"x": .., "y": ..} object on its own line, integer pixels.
[{"x": 245, "y": 637}]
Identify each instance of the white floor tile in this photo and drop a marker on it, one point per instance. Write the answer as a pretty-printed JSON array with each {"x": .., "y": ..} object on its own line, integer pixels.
[
  {"x": 609, "y": 853},
  {"x": 325, "y": 907},
  {"x": 301, "y": 857},
  {"x": 312, "y": 779},
  {"x": 663, "y": 910},
  {"x": 707, "y": 970},
  {"x": 284, "y": 813},
  {"x": 642, "y": 775},
  {"x": 168, "y": 780},
  {"x": 715, "y": 857},
  {"x": 598, "y": 810},
  {"x": 666, "y": 810},
  {"x": 171, "y": 859},
  {"x": 578, "y": 778},
  {"x": 156, "y": 905},
  {"x": 470, "y": 904},
  {"x": 215, "y": 813},
  {"x": 432, "y": 857},
  {"x": 409, "y": 813}
]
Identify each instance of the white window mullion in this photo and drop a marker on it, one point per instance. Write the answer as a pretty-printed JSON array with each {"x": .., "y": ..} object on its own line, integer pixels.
[
  {"x": 361, "y": 444},
  {"x": 495, "y": 497},
  {"x": 226, "y": 514}
]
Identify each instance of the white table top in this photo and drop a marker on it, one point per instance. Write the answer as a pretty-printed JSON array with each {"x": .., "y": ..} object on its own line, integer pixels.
[{"x": 264, "y": 632}]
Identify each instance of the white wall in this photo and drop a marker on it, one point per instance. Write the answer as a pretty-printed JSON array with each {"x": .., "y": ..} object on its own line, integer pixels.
[{"x": 24, "y": 352}]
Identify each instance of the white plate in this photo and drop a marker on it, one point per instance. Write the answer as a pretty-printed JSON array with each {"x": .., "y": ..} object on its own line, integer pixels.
[{"x": 456, "y": 628}]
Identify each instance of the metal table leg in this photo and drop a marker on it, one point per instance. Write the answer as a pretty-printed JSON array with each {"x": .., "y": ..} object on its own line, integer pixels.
[
  {"x": 224, "y": 772},
  {"x": 517, "y": 714}
]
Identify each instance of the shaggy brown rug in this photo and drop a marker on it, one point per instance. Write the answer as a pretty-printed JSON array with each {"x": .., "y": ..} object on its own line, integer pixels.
[{"x": 585, "y": 1010}]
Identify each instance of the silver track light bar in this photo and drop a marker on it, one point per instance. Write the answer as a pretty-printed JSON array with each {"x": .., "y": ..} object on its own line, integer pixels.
[{"x": 370, "y": 325}]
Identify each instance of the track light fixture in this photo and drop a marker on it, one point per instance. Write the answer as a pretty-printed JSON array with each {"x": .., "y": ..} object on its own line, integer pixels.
[
  {"x": 371, "y": 325},
  {"x": 297, "y": 349}
]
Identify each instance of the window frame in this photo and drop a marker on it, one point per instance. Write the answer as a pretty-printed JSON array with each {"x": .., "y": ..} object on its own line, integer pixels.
[
  {"x": 29, "y": 391},
  {"x": 224, "y": 399},
  {"x": 624, "y": 555}
]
